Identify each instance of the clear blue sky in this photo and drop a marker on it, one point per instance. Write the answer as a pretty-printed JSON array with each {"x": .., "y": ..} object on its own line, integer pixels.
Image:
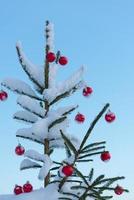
[{"x": 96, "y": 33}]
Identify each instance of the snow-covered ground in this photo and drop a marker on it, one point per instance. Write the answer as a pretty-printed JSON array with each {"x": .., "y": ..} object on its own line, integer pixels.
[{"x": 42, "y": 194}]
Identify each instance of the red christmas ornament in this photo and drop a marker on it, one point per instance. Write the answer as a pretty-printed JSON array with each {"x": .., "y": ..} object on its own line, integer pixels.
[
  {"x": 18, "y": 189},
  {"x": 63, "y": 60},
  {"x": 110, "y": 117},
  {"x": 27, "y": 187},
  {"x": 68, "y": 170},
  {"x": 50, "y": 57},
  {"x": 87, "y": 91},
  {"x": 3, "y": 95},
  {"x": 118, "y": 190},
  {"x": 19, "y": 150},
  {"x": 105, "y": 156},
  {"x": 80, "y": 118}
]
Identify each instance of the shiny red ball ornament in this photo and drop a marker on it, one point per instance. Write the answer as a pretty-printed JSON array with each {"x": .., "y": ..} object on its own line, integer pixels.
[
  {"x": 80, "y": 118},
  {"x": 63, "y": 60},
  {"x": 87, "y": 91},
  {"x": 105, "y": 156},
  {"x": 110, "y": 117},
  {"x": 50, "y": 57},
  {"x": 68, "y": 170},
  {"x": 27, "y": 187},
  {"x": 18, "y": 189},
  {"x": 19, "y": 150},
  {"x": 3, "y": 95},
  {"x": 118, "y": 190}
]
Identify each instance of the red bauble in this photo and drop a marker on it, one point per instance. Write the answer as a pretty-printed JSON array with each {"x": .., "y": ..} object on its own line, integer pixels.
[
  {"x": 80, "y": 118},
  {"x": 110, "y": 117},
  {"x": 50, "y": 57},
  {"x": 105, "y": 156},
  {"x": 87, "y": 91},
  {"x": 3, "y": 95},
  {"x": 118, "y": 190},
  {"x": 68, "y": 170},
  {"x": 18, "y": 189},
  {"x": 63, "y": 60},
  {"x": 19, "y": 150},
  {"x": 27, "y": 187}
]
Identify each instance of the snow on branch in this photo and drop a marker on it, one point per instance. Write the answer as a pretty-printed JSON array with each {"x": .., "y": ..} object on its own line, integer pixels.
[
  {"x": 52, "y": 75},
  {"x": 59, "y": 142},
  {"x": 25, "y": 116},
  {"x": 31, "y": 105},
  {"x": 50, "y": 128},
  {"x": 32, "y": 154},
  {"x": 75, "y": 78},
  {"x": 62, "y": 111},
  {"x": 47, "y": 162},
  {"x": 54, "y": 131},
  {"x": 26, "y": 133},
  {"x": 34, "y": 73},
  {"x": 28, "y": 164},
  {"x": 19, "y": 87},
  {"x": 50, "y": 35},
  {"x": 65, "y": 88},
  {"x": 45, "y": 168},
  {"x": 42, "y": 128}
]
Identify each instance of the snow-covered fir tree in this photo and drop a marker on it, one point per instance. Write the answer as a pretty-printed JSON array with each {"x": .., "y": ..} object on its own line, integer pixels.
[{"x": 48, "y": 126}]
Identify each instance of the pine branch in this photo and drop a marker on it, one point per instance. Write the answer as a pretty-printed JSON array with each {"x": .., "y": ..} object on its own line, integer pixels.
[
  {"x": 31, "y": 167},
  {"x": 93, "y": 124},
  {"x": 112, "y": 180},
  {"x": 84, "y": 160},
  {"x": 68, "y": 143},
  {"x": 93, "y": 145},
  {"x": 92, "y": 149},
  {"x": 28, "y": 164},
  {"x": 31, "y": 139},
  {"x": 57, "y": 163},
  {"x": 54, "y": 168},
  {"x": 71, "y": 194},
  {"x": 28, "y": 109},
  {"x": 66, "y": 94},
  {"x": 68, "y": 152},
  {"x": 23, "y": 119},
  {"x": 25, "y": 116},
  {"x": 97, "y": 190},
  {"x": 57, "y": 121},
  {"x": 71, "y": 110},
  {"x": 21, "y": 92},
  {"x": 57, "y": 57},
  {"x": 77, "y": 152},
  {"x": 93, "y": 194},
  {"x": 74, "y": 181},
  {"x": 46, "y": 78},
  {"x": 81, "y": 176},
  {"x": 90, "y": 154},
  {"x": 62, "y": 182},
  {"x": 78, "y": 187},
  {"x": 91, "y": 174},
  {"x": 88, "y": 148},
  {"x": 97, "y": 180},
  {"x": 109, "y": 188}
]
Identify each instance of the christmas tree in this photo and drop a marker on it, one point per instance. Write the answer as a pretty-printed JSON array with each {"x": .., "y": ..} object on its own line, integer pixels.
[{"x": 48, "y": 127}]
